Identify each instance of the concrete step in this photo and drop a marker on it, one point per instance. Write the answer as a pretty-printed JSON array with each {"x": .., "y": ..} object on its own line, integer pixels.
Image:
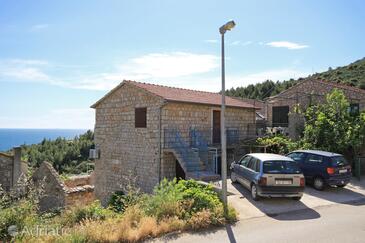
[{"x": 203, "y": 176}]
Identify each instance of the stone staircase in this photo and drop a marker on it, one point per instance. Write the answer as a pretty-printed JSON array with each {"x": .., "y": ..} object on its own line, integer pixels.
[{"x": 192, "y": 160}]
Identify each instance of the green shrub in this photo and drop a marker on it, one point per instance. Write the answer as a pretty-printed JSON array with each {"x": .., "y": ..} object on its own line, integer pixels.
[
  {"x": 278, "y": 144},
  {"x": 77, "y": 214},
  {"x": 202, "y": 196},
  {"x": 119, "y": 201},
  {"x": 22, "y": 213},
  {"x": 165, "y": 201},
  {"x": 184, "y": 199}
]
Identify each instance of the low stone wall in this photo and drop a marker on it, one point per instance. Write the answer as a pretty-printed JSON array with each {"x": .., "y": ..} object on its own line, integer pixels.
[
  {"x": 61, "y": 194},
  {"x": 79, "y": 180},
  {"x": 79, "y": 195}
]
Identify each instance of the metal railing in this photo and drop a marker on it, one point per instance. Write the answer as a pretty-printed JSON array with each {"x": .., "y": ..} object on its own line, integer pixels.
[{"x": 173, "y": 139}]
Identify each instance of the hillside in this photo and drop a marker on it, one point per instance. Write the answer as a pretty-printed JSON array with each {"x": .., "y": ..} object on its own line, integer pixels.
[
  {"x": 352, "y": 74},
  {"x": 66, "y": 156}
]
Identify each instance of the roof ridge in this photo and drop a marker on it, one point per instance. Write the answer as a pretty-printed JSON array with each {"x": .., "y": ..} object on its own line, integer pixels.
[
  {"x": 340, "y": 84},
  {"x": 170, "y": 87}
]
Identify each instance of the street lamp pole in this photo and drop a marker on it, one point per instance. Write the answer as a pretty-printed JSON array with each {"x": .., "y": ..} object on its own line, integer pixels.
[{"x": 222, "y": 30}]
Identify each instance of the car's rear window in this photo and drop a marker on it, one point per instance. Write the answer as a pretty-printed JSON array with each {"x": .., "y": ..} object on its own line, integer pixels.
[
  {"x": 339, "y": 161},
  {"x": 281, "y": 167}
]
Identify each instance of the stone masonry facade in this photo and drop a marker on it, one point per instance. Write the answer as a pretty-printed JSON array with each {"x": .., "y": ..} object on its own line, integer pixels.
[
  {"x": 309, "y": 92},
  {"x": 11, "y": 169},
  {"x": 185, "y": 116},
  {"x": 126, "y": 152}
]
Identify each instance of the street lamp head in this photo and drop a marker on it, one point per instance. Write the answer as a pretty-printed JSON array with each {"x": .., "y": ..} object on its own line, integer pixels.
[{"x": 228, "y": 26}]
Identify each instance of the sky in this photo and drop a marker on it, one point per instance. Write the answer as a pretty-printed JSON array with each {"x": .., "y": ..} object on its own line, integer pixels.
[{"x": 59, "y": 57}]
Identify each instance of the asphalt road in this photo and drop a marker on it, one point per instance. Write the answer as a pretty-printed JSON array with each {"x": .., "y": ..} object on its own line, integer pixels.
[{"x": 331, "y": 223}]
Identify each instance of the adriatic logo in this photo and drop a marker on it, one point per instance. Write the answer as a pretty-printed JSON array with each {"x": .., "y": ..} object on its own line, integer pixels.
[{"x": 12, "y": 230}]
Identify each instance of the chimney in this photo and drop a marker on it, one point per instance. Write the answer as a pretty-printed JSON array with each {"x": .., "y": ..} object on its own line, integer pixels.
[{"x": 17, "y": 171}]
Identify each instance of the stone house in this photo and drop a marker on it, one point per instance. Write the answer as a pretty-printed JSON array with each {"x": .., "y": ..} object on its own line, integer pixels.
[
  {"x": 11, "y": 169},
  {"x": 153, "y": 132},
  {"x": 280, "y": 108},
  {"x": 58, "y": 193}
]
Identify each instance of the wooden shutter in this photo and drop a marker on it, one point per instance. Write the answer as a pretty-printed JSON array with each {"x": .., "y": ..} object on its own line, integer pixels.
[
  {"x": 280, "y": 116},
  {"x": 140, "y": 117}
]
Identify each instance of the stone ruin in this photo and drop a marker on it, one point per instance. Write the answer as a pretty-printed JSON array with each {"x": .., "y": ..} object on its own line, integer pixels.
[{"x": 58, "y": 193}]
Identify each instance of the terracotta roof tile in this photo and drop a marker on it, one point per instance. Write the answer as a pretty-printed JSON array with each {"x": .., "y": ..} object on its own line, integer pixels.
[{"x": 190, "y": 96}]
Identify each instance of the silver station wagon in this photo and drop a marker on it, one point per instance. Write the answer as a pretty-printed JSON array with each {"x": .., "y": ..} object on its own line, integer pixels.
[{"x": 269, "y": 175}]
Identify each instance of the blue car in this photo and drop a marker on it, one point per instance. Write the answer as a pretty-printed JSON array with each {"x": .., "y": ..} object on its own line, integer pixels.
[{"x": 322, "y": 168}]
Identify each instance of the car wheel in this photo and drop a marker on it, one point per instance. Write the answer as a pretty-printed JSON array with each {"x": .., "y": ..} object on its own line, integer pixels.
[
  {"x": 342, "y": 186},
  {"x": 318, "y": 183},
  {"x": 254, "y": 194},
  {"x": 296, "y": 198},
  {"x": 233, "y": 178}
]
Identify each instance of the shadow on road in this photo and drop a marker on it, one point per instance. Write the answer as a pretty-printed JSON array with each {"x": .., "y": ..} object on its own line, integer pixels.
[{"x": 279, "y": 208}]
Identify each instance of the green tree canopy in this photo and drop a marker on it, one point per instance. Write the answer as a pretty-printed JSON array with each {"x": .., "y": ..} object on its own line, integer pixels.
[{"x": 331, "y": 127}]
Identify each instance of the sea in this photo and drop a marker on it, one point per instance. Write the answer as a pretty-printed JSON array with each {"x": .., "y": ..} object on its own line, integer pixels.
[{"x": 10, "y": 138}]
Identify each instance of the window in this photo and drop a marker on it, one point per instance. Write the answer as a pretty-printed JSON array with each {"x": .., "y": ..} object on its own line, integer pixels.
[
  {"x": 140, "y": 116},
  {"x": 244, "y": 161},
  {"x": 257, "y": 168},
  {"x": 281, "y": 167},
  {"x": 354, "y": 109},
  {"x": 252, "y": 164},
  {"x": 296, "y": 156},
  {"x": 280, "y": 116},
  {"x": 338, "y": 161},
  {"x": 313, "y": 158}
]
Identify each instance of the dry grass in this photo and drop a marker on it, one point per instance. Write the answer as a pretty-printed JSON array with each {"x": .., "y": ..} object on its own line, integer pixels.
[{"x": 133, "y": 226}]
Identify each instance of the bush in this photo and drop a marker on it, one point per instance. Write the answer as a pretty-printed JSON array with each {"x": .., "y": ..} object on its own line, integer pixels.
[
  {"x": 278, "y": 144},
  {"x": 22, "y": 213},
  {"x": 165, "y": 201},
  {"x": 77, "y": 214},
  {"x": 173, "y": 206},
  {"x": 119, "y": 202}
]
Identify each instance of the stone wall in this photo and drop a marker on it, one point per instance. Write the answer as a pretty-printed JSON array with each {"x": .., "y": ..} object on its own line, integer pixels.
[
  {"x": 126, "y": 151},
  {"x": 6, "y": 171},
  {"x": 80, "y": 180},
  {"x": 168, "y": 166},
  {"x": 183, "y": 116},
  {"x": 61, "y": 194},
  {"x": 311, "y": 92},
  {"x": 54, "y": 189},
  {"x": 11, "y": 169}
]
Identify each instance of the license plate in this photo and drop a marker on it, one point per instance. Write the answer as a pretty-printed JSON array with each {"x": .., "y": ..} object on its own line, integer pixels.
[
  {"x": 343, "y": 171},
  {"x": 283, "y": 182}
]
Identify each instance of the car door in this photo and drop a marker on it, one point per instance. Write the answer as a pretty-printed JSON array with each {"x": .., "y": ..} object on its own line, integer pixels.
[
  {"x": 250, "y": 171},
  {"x": 313, "y": 165},
  {"x": 241, "y": 170},
  {"x": 298, "y": 157}
]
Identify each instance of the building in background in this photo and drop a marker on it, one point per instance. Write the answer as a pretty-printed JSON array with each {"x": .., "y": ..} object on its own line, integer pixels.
[{"x": 280, "y": 109}]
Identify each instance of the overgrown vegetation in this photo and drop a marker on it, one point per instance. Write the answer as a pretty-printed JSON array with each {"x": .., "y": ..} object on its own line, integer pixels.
[
  {"x": 278, "y": 144},
  {"x": 66, "y": 156},
  {"x": 330, "y": 126},
  {"x": 352, "y": 74},
  {"x": 173, "y": 206}
]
